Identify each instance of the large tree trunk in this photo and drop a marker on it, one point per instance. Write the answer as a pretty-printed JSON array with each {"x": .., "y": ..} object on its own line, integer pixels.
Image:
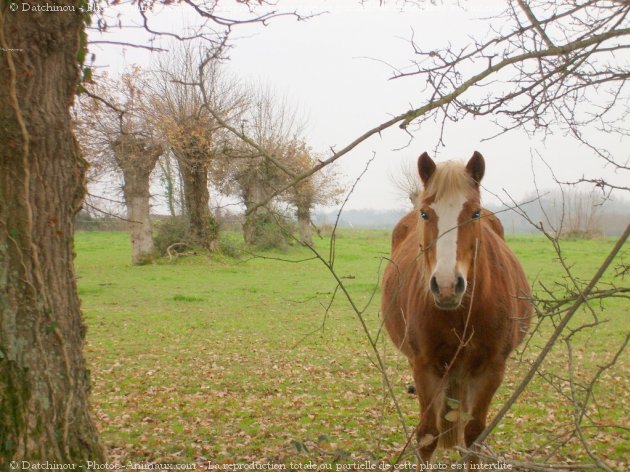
[
  {"x": 249, "y": 228},
  {"x": 137, "y": 161},
  {"x": 137, "y": 198},
  {"x": 254, "y": 194},
  {"x": 303, "y": 199},
  {"x": 44, "y": 383},
  {"x": 304, "y": 225},
  {"x": 169, "y": 183},
  {"x": 203, "y": 228}
]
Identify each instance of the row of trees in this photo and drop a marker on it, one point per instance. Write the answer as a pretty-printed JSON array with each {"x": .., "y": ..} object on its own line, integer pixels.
[{"x": 174, "y": 121}]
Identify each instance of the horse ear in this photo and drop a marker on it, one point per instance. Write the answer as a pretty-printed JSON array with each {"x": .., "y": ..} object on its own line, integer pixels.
[
  {"x": 426, "y": 167},
  {"x": 476, "y": 167}
]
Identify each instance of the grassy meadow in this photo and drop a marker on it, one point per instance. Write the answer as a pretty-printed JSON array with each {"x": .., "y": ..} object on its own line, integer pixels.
[{"x": 238, "y": 360}]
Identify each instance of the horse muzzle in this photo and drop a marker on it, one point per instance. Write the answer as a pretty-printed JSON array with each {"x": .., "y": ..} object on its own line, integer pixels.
[
  {"x": 448, "y": 297},
  {"x": 451, "y": 304}
]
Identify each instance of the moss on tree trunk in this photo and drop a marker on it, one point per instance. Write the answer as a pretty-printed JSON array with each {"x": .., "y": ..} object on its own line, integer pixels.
[
  {"x": 304, "y": 225},
  {"x": 203, "y": 228}
]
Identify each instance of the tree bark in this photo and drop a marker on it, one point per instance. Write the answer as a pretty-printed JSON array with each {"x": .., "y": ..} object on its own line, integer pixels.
[
  {"x": 44, "y": 382},
  {"x": 304, "y": 225},
  {"x": 137, "y": 160},
  {"x": 138, "y": 214},
  {"x": 303, "y": 199},
  {"x": 254, "y": 194},
  {"x": 249, "y": 228},
  {"x": 203, "y": 228},
  {"x": 169, "y": 184}
]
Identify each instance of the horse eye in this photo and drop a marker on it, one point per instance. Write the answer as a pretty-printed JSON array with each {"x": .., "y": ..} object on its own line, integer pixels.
[
  {"x": 424, "y": 215},
  {"x": 476, "y": 214}
]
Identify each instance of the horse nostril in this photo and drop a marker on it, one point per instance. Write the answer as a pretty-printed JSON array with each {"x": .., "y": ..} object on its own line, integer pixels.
[
  {"x": 434, "y": 286},
  {"x": 460, "y": 286}
]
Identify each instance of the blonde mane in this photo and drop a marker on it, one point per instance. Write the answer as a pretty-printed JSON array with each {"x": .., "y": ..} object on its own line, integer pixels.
[{"x": 449, "y": 179}]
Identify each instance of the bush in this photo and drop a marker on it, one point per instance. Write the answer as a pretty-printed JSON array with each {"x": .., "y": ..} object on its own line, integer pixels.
[
  {"x": 212, "y": 231},
  {"x": 581, "y": 234},
  {"x": 230, "y": 248},
  {"x": 272, "y": 232},
  {"x": 170, "y": 231}
]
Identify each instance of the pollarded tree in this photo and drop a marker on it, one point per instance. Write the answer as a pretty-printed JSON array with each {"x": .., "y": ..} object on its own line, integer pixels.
[
  {"x": 319, "y": 189},
  {"x": 303, "y": 196},
  {"x": 178, "y": 110},
  {"x": 267, "y": 152},
  {"x": 256, "y": 161},
  {"x": 137, "y": 157},
  {"x": 252, "y": 177},
  {"x": 113, "y": 130}
]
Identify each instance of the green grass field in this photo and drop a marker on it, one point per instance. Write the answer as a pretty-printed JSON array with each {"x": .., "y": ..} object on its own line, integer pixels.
[{"x": 224, "y": 360}]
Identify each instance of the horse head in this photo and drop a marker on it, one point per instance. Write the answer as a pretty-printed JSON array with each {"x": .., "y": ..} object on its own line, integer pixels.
[{"x": 450, "y": 211}]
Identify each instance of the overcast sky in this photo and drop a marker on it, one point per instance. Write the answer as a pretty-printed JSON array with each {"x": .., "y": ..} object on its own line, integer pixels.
[{"x": 334, "y": 67}]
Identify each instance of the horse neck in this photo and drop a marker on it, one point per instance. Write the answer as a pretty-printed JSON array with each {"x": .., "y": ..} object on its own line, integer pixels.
[{"x": 482, "y": 270}]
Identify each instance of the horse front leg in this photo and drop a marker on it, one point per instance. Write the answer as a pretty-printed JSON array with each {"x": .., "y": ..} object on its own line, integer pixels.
[
  {"x": 430, "y": 390},
  {"x": 481, "y": 388}
]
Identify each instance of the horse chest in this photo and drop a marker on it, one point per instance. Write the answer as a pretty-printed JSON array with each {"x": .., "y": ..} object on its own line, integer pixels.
[{"x": 455, "y": 345}]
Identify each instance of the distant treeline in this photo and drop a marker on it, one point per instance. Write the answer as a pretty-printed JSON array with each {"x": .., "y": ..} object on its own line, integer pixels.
[{"x": 578, "y": 216}]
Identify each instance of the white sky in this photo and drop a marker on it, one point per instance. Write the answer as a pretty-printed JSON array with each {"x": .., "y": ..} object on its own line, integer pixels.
[{"x": 334, "y": 68}]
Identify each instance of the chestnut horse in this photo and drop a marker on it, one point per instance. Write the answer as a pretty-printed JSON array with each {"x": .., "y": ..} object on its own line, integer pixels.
[{"x": 455, "y": 301}]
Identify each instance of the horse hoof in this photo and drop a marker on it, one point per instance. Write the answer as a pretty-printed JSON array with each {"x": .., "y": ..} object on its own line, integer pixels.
[{"x": 411, "y": 389}]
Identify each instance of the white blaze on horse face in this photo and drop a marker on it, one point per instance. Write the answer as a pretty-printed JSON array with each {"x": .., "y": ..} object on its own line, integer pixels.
[{"x": 447, "y": 212}]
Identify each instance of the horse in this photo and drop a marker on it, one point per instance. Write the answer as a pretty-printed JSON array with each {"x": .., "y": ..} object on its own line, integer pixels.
[{"x": 455, "y": 302}]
